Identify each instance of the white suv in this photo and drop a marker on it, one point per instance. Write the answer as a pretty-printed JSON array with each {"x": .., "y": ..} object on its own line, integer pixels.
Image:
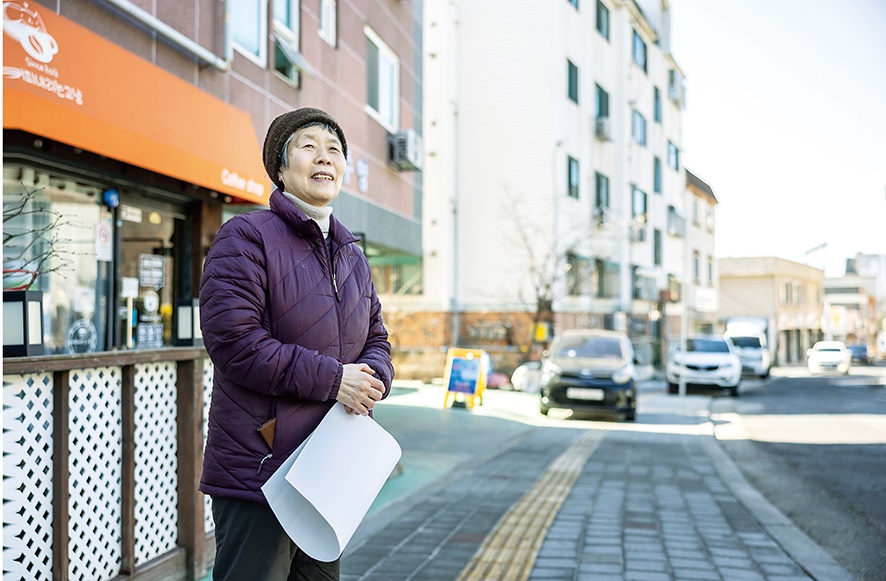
[
  {"x": 709, "y": 361},
  {"x": 752, "y": 351}
]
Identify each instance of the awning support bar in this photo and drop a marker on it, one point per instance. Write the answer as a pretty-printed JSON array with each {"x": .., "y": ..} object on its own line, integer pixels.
[{"x": 172, "y": 35}]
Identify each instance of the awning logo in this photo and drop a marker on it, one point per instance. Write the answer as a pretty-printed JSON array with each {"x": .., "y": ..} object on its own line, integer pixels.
[{"x": 27, "y": 27}]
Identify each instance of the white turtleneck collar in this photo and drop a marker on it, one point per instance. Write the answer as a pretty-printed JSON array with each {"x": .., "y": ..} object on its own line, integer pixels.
[{"x": 318, "y": 214}]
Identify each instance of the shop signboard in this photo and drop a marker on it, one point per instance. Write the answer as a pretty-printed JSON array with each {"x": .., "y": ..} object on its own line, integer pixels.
[{"x": 465, "y": 376}]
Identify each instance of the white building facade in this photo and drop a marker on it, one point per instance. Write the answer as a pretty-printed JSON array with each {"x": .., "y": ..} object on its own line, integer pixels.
[{"x": 553, "y": 169}]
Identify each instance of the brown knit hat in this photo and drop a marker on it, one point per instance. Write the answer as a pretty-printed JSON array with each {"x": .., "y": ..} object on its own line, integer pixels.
[{"x": 287, "y": 124}]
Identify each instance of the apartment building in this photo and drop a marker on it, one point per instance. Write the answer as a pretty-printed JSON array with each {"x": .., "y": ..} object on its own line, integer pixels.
[
  {"x": 553, "y": 169},
  {"x": 131, "y": 131},
  {"x": 850, "y": 309},
  {"x": 786, "y": 294}
]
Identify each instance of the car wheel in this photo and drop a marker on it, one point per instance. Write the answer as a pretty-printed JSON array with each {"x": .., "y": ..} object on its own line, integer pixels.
[
  {"x": 672, "y": 388},
  {"x": 631, "y": 415},
  {"x": 543, "y": 409},
  {"x": 733, "y": 391}
]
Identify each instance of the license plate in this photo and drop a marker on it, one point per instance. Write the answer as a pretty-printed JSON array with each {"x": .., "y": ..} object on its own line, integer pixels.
[{"x": 584, "y": 393}]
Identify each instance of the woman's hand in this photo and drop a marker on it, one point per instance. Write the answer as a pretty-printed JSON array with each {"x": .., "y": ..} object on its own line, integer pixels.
[{"x": 359, "y": 390}]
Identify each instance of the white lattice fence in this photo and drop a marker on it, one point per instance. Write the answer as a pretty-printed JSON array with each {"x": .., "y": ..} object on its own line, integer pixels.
[
  {"x": 27, "y": 476},
  {"x": 156, "y": 461},
  {"x": 207, "y": 398},
  {"x": 95, "y": 466}
]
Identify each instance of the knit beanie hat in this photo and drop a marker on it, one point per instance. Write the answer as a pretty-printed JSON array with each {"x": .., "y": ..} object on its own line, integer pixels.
[{"x": 287, "y": 124}]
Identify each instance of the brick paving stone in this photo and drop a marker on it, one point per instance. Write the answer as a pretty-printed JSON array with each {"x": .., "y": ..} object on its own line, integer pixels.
[
  {"x": 587, "y": 568},
  {"x": 740, "y": 574},
  {"x": 552, "y": 574},
  {"x": 696, "y": 575},
  {"x": 646, "y": 576},
  {"x": 643, "y": 565}
]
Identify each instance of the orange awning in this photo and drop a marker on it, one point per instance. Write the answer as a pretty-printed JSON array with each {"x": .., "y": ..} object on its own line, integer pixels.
[{"x": 64, "y": 82}]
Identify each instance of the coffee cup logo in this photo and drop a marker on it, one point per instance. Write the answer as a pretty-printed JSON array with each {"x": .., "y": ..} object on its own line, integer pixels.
[{"x": 27, "y": 28}]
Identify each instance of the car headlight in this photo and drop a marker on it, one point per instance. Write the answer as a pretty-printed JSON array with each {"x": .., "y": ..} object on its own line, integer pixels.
[
  {"x": 727, "y": 366},
  {"x": 621, "y": 376},
  {"x": 550, "y": 373}
]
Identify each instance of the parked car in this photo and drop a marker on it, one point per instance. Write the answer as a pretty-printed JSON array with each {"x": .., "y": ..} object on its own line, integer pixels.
[
  {"x": 527, "y": 376},
  {"x": 829, "y": 357},
  {"x": 709, "y": 361},
  {"x": 750, "y": 346},
  {"x": 590, "y": 370},
  {"x": 860, "y": 354}
]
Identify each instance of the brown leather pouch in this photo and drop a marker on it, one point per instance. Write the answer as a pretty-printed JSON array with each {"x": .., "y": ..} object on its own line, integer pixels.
[{"x": 267, "y": 432}]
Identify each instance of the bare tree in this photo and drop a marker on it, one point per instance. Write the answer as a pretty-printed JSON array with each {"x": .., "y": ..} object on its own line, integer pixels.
[
  {"x": 32, "y": 241},
  {"x": 547, "y": 263}
]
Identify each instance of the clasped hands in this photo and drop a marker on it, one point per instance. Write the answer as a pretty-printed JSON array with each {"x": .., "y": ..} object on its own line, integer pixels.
[{"x": 359, "y": 390}]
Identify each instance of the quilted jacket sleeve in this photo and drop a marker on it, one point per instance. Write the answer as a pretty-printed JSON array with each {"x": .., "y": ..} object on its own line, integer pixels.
[
  {"x": 377, "y": 351},
  {"x": 232, "y": 301}
]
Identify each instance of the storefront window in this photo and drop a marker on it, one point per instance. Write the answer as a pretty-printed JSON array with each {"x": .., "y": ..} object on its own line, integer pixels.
[
  {"x": 105, "y": 274},
  {"x": 50, "y": 245}
]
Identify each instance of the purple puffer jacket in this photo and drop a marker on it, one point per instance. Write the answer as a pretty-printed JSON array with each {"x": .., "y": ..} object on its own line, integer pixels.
[{"x": 279, "y": 320}]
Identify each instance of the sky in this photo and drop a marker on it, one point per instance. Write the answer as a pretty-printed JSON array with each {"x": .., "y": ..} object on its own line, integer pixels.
[{"x": 786, "y": 120}]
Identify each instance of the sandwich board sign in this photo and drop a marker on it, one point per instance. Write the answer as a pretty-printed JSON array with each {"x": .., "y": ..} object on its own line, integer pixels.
[{"x": 465, "y": 375}]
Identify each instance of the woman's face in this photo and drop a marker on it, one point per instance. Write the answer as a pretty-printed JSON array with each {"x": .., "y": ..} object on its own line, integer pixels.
[{"x": 316, "y": 166}]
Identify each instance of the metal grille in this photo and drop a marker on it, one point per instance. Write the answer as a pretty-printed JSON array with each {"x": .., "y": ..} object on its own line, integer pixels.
[
  {"x": 207, "y": 397},
  {"x": 94, "y": 464},
  {"x": 156, "y": 462},
  {"x": 27, "y": 476}
]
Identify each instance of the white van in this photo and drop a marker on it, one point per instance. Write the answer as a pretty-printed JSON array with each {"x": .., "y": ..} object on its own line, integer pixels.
[{"x": 750, "y": 345}]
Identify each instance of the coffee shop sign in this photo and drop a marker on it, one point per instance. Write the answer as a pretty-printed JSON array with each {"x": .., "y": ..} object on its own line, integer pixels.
[{"x": 234, "y": 180}]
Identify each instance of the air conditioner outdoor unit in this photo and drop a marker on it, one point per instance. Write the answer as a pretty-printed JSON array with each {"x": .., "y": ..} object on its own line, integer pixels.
[
  {"x": 601, "y": 129},
  {"x": 405, "y": 150}
]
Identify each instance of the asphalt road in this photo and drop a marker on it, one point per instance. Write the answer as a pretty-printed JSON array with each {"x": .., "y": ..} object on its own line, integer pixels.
[{"x": 816, "y": 448}]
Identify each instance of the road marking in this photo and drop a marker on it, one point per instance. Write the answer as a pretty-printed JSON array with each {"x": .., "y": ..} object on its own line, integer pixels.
[{"x": 509, "y": 551}]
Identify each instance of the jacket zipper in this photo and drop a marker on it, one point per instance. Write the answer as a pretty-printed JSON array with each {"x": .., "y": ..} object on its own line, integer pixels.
[{"x": 262, "y": 463}]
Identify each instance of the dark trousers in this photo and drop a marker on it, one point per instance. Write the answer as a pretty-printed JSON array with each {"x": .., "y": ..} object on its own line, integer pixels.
[{"x": 252, "y": 546}]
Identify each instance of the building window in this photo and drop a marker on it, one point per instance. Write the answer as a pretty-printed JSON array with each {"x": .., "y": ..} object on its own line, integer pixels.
[
  {"x": 784, "y": 293},
  {"x": 710, "y": 271},
  {"x": 676, "y": 88},
  {"x": 607, "y": 278},
  {"x": 382, "y": 81},
  {"x": 327, "y": 30},
  {"x": 602, "y": 102},
  {"x": 695, "y": 213},
  {"x": 572, "y": 176},
  {"x": 288, "y": 61},
  {"x": 696, "y": 266},
  {"x": 638, "y": 127},
  {"x": 673, "y": 157},
  {"x": 638, "y": 204},
  {"x": 400, "y": 275},
  {"x": 709, "y": 218},
  {"x": 656, "y": 247},
  {"x": 639, "y": 52},
  {"x": 656, "y": 174},
  {"x": 603, "y": 19},
  {"x": 578, "y": 275},
  {"x": 248, "y": 21},
  {"x": 601, "y": 202},
  {"x": 656, "y": 105},
  {"x": 572, "y": 81}
]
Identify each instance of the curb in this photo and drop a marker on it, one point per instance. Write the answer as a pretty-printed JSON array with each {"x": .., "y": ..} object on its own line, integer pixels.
[{"x": 802, "y": 549}]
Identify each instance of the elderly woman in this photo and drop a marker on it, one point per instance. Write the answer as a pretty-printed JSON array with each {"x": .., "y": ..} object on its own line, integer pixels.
[{"x": 292, "y": 324}]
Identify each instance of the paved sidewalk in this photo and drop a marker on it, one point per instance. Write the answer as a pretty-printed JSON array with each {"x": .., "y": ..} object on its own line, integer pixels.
[{"x": 644, "y": 503}]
